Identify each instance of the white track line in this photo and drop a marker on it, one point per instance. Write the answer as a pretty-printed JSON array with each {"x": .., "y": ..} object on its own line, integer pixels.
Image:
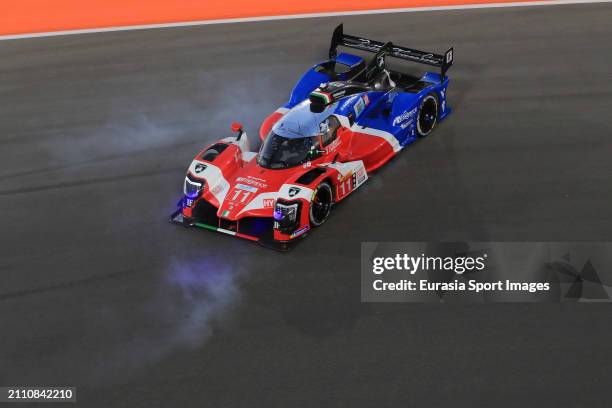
[{"x": 296, "y": 16}]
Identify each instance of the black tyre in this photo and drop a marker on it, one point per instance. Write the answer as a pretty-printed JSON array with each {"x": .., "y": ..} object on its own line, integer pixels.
[
  {"x": 320, "y": 206},
  {"x": 428, "y": 115}
]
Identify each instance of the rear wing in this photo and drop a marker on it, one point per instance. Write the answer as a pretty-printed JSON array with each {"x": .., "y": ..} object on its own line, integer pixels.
[{"x": 443, "y": 62}]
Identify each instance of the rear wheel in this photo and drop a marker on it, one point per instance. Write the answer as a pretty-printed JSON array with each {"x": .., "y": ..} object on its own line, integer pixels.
[
  {"x": 428, "y": 115},
  {"x": 320, "y": 206}
]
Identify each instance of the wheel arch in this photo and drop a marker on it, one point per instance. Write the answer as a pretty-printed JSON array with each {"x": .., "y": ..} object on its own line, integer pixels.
[{"x": 328, "y": 177}]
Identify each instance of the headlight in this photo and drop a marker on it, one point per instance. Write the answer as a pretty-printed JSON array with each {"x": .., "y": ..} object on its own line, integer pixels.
[
  {"x": 285, "y": 214},
  {"x": 192, "y": 188}
]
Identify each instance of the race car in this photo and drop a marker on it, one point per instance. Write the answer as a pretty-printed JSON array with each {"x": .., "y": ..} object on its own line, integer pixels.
[{"x": 345, "y": 118}]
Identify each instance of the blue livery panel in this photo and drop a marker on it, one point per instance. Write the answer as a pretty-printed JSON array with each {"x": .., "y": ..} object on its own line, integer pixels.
[{"x": 394, "y": 111}]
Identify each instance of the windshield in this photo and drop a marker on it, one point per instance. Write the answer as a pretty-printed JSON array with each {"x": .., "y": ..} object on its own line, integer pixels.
[{"x": 278, "y": 152}]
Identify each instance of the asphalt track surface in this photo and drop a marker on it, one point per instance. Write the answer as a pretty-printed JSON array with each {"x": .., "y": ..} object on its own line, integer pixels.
[{"x": 100, "y": 292}]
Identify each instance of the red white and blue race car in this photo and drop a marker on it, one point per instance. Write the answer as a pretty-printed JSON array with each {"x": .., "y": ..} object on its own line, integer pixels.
[{"x": 345, "y": 118}]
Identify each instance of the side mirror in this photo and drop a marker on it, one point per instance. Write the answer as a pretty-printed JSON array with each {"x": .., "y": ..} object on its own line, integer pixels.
[
  {"x": 241, "y": 139},
  {"x": 237, "y": 128}
]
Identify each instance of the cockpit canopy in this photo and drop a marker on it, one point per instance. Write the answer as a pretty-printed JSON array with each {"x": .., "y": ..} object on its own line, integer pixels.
[
  {"x": 301, "y": 122},
  {"x": 300, "y": 136},
  {"x": 279, "y": 152}
]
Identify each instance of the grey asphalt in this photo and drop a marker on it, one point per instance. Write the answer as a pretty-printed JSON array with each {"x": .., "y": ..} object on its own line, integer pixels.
[{"x": 98, "y": 291}]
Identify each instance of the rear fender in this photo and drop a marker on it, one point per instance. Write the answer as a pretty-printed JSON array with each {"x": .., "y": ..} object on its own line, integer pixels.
[
  {"x": 440, "y": 88},
  {"x": 403, "y": 116}
]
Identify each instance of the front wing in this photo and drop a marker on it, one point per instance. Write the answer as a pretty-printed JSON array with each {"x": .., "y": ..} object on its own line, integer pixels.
[{"x": 177, "y": 218}]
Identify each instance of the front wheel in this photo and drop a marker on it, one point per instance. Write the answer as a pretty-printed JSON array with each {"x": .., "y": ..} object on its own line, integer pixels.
[
  {"x": 320, "y": 206},
  {"x": 428, "y": 115}
]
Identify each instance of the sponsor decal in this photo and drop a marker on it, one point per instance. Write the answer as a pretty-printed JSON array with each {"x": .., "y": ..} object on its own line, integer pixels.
[
  {"x": 241, "y": 195},
  {"x": 339, "y": 94},
  {"x": 359, "y": 177},
  {"x": 244, "y": 187},
  {"x": 406, "y": 124},
  {"x": 359, "y": 106},
  {"x": 300, "y": 231},
  {"x": 365, "y": 43},
  {"x": 404, "y": 116},
  {"x": 404, "y": 53},
  {"x": 347, "y": 176},
  {"x": 427, "y": 56},
  {"x": 268, "y": 202},
  {"x": 200, "y": 167},
  {"x": 345, "y": 186},
  {"x": 332, "y": 146},
  {"x": 348, "y": 102},
  {"x": 256, "y": 178},
  {"x": 307, "y": 165},
  {"x": 293, "y": 191},
  {"x": 225, "y": 213},
  {"x": 217, "y": 189},
  {"x": 253, "y": 181}
]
